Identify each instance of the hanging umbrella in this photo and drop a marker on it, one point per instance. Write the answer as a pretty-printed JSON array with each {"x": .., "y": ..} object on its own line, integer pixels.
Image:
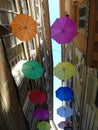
[
  {"x": 64, "y": 93},
  {"x": 65, "y": 111},
  {"x": 37, "y": 97},
  {"x": 41, "y": 114},
  {"x": 64, "y": 70},
  {"x": 24, "y": 27},
  {"x": 44, "y": 125},
  {"x": 32, "y": 69},
  {"x": 68, "y": 128},
  {"x": 63, "y": 30},
  {"x": 64, "y": 124}
]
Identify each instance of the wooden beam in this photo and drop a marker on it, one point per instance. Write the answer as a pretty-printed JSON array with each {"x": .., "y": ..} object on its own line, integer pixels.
[{"x": 4, "y": 30}]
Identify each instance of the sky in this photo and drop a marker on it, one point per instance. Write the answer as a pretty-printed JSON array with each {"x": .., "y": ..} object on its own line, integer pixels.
[{"x": 56, "y": 48}]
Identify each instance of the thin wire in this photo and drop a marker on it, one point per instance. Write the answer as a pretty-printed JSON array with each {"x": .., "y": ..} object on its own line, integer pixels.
[{"x": 57, "y": 50}]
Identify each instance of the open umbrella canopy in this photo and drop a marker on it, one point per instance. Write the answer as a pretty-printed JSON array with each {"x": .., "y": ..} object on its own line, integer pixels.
[
  {"x": 44, "y": 125},
  {"x": 32, "y": 70},
  {"x": 68, "y": 128},
  {"x": 64, "y": 124},
  {"x": 63, "y": 30},
  {"x": 37, "y": 97},
  {"x": 24, "y": 27},
  {"x": 64, "y": 70},
  {"x": 41, "y": 114},
  {"x": 65, "y": 111},
  {"x": 64, "y": 93}
]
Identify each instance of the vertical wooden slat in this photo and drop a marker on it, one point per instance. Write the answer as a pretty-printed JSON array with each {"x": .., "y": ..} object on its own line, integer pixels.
[
  {"x": 95, "y": 127},
  {"x": 85, "y": 117},
  {"x": 92, "y": 120},
  {"x": 88, "y": 118}
]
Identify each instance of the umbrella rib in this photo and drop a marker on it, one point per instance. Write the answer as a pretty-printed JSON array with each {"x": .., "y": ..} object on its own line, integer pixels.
[
  {"x": 67, "y": 30},
  {"x": 30, "y": 34},
  {"x": 19, "y": 32},
  {"x": 21, "y": 19},
  {"x": 24, "y": 33},
  {"x": 66, "y": 36}
]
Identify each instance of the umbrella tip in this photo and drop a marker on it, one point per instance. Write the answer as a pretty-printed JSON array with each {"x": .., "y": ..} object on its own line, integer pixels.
[{"x": 67, "y": 15}]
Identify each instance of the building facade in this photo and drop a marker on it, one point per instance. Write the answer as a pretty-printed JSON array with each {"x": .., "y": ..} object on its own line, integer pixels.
[
  {"x": 82, "y": 52},
  {"x": 16, "y": 110}
]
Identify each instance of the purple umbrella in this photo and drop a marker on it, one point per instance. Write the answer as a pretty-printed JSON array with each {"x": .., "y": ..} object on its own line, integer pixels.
[
  {"x": 41, "y": 114},
  {"x": 63, "y": 30}
]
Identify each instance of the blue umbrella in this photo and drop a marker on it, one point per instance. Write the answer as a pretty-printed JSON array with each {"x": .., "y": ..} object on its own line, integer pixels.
[
  {"x": 65, "y": 111},
  {"x": 64, "y": 93}
]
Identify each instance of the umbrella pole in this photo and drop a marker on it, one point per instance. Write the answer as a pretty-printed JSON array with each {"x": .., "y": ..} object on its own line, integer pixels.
[
  {"x": 64, "y": 102},
  {"x": 63, "y": 84},
  {"x": 26, "y": 49},
  {"x": 30, "y": 84}
]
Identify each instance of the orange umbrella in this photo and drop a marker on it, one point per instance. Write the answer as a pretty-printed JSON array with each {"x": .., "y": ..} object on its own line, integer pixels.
[{"x": 24, "y": 27}]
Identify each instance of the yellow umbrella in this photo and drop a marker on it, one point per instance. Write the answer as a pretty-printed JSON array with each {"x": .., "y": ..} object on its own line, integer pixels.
[
  {"x": 44, "y": 125},
  {"x": 64, "y": 70}
]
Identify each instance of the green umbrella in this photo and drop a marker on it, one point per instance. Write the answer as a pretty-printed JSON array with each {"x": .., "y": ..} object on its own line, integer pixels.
[
  {"x": 44, "y": 125},
  {"x": 32, "y": 70},
  {"x": 64, "y": 70}
]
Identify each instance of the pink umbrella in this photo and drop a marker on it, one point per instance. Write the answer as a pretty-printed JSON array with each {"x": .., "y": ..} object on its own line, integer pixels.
[
  {"x": 63, "y": 30},
  {"x": 63, "y": 124},
  {"x": 41, "y": 114}
]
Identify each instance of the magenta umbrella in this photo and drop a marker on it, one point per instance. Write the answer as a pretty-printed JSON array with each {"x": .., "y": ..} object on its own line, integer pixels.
[
  {"x": 41, "y": 114},
  {"x": 63, "y": 30}
]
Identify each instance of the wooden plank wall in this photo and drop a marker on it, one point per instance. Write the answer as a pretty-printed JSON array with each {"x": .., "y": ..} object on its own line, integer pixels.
[
  {"x": 90, "y": 119},
  {"x": 92, "y": 45}
]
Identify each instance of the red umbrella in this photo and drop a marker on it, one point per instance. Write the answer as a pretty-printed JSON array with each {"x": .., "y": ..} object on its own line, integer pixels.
[
  {"x": 63, "y": 30},
  {"x": 41, "y": 114},
  {"x": 37, "y": 97}
]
